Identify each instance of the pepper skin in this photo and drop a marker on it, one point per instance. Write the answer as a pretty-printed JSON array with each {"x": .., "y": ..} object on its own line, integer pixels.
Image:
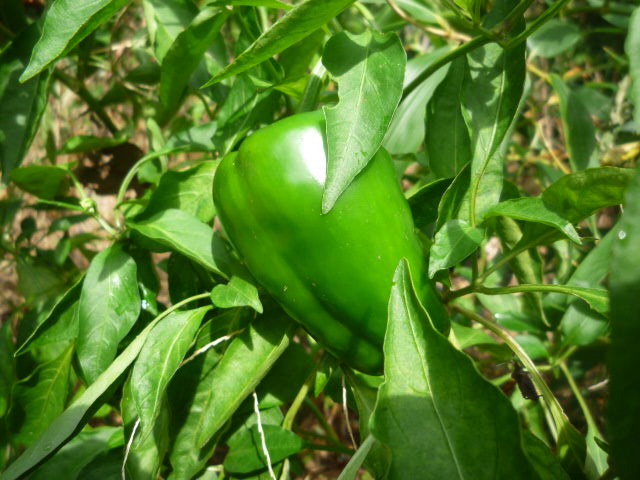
[{"x": 332, "y": 273}]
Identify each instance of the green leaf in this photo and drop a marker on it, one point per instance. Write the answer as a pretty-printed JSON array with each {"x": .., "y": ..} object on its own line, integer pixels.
[
  {"x": 533, "y": 346},
  {"x": 468, "y": 337},
  {"x": 353, "y": 467},
  {"x": 68, "y": 22},
  {"x": 90, "y": 143},
  {"x": 286, "y": 377},
  {"x": 577, "y": 195},
  {"x": 454, "y": 242},
  {"x": 168, "y": 227},
  {"x": 411, "y": 111},
  {"x": 43, "y": 181},
  {"x": 581, "y": 194},
  {"x": 544, "y": 462},
  {"x": 369, "y": 69},
  {"x": 493, "y": 88},
  {"x": 297, "y": 24},
  {"x": 255, "y": 3},
  {"x": 79, "y": 452},
  {"x": 297, "y": 60},
  {"x": 365, "y": 392},
  {"x": 159, "y": 359},
  {"x": 219, "y": 391},
  {"x": 105, "y": 465},
  {"x": 109, "y": 306},
  {"x": 453, "y": 197},
  {"x": 459, "y": 424},
  {"x": 447, "y": 138},
  {"x": 624, "y": 354},
  {"x": 246, "y": 361},
  {"x": 243, "y": 108},
  {"x": 424, "y": 202},
  {"x": 245, "y": 449},
  {"x": 597, "y": 298},
  {"x": 37, "y": 282},
  {"x": 325, "y": 369},
  {"x": 632, "y": 47},
  {"x": 21, "y": 106},
  {"x": 579, "y": 131},
  {"x": 165, "y": 20},
  {"x": 39, "y": 399},
  {"x": 527, "y": 265},
  {"x": 7, "y": 367},
  {"x": 146, "y": 452},
  {"x": 60, "y": 324},
  {"x": 187, "y": 390},
  {"x": 186, "y": 278},
  {"x": 59, "y": 431},
  {"x": 186, "y": 52},
  {"x": 187, "y": 190},
  {"x": 581, "y": 325},
  {"x": 237, "y": 293},
  {"x": 193, "y": 139},
  {"x": 553, "y": 38},
  {"x": 534, "y": 209}
]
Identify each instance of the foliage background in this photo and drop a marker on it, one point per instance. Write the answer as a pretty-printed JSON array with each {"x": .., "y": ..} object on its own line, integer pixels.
[{"x": 88, "y": 89}]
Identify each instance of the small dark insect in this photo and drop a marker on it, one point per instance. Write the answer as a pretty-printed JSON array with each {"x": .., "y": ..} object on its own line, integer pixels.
[{"x": 525, "y": 384}]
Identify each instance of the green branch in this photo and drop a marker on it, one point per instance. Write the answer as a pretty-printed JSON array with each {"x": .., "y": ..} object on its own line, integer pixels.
[{"x": 463, "y": 49}]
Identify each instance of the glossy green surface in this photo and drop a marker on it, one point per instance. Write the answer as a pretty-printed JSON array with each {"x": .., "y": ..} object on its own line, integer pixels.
[{"x": 333, "y": 272}]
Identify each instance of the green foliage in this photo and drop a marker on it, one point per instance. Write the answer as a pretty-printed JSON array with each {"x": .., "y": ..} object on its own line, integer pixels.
[{"x": 133, "y": 336}]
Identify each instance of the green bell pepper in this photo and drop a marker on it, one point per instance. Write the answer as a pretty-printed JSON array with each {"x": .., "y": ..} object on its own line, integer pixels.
[{"x": 332, "y": 273}]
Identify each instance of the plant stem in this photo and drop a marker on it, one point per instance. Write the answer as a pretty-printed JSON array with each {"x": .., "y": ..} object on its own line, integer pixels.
[
  {"x": 175, "y": 306},
  {"x": 462, "y": 49},
  {"x": 92, "y": 208},
  {"x": 514, "y": 253},
  {"x": 79, "y": 89},
  {"x": 536, "y": 24},
  {"x": 583, "y": 404},
  {"x": 516, "y": 12},
  {"x": 290, "y": 416},
  {"x": 331, "y": 433}
]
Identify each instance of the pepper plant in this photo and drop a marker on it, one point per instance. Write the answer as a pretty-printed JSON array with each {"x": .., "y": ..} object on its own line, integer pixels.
[{"x": 319, "y": 239}]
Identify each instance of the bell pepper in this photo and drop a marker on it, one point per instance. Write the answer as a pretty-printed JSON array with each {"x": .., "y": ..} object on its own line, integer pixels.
[{"x": 332, "y": 273}]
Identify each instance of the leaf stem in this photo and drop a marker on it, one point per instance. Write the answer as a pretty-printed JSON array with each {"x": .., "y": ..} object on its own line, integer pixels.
[
  {"x": 89, "y": 205},
  {"x": 560, "y": 420},
  {"x": 128, "y": 179}
]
